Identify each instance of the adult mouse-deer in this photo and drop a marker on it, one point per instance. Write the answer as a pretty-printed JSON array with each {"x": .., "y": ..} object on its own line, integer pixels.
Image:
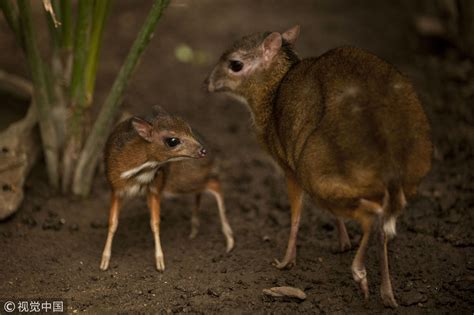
[
  {"x": 346, "y": 128},
  {"x": 159, "y": 156}
]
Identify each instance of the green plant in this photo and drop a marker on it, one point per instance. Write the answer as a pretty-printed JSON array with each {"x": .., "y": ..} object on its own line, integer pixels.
[{"x": 64, "y": 85}]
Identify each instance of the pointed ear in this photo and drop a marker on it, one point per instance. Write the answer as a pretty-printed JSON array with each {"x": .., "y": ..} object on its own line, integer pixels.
[
  {"x": 292, "y": 34},
  {"x": 271, "y": 45},
  {"x": 143, "y": 128},
  {"x": 159, "y": 111}
]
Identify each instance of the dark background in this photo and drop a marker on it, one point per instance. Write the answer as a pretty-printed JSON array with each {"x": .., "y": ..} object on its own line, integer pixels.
[{"x": 52, "y": 246}]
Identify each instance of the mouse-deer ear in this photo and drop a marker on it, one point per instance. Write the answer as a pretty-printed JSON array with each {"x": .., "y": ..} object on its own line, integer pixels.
[
  {"x": 271, "y": 45},
  {"x": 143, "y": 128},
  {"x": 159, "y": 111},
  {"x": 292, "y": 34}
]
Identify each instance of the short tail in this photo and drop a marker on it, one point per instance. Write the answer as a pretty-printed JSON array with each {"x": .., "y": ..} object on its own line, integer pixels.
[{"x": 393, "y": 204}]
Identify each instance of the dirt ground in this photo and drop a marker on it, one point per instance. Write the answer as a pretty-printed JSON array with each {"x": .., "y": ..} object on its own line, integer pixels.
[{"x": 52, "y": 246}]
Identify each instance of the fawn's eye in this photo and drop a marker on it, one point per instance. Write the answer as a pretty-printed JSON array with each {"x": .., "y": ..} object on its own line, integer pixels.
[
  {"x": 172, "y": 142},
  {"x": 236, "y": 65}
]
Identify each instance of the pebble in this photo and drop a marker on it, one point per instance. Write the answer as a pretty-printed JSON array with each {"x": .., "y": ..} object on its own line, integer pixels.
[{"x": 412, "y": 298}]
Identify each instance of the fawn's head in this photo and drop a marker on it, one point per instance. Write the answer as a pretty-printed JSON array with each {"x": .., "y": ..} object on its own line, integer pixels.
[
  {"x": 253, "y": 63},
  {"x": 167, "y": 138}
]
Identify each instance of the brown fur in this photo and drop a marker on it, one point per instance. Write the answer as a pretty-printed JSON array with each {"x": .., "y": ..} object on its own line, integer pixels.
[{"x": 346, "y": 126}]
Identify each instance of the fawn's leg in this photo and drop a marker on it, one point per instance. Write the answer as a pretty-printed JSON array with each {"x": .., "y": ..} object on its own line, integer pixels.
[
  {"x": 344, "y": 241},
  {"x": 365, "y": 214},
  {"x": 214, "y": 187},
  {"x": 295, "y": 194},
  {"x": 386, "y": 291},
  {"x": 113, "y": 222},
  {"x": 194, "y": 217},
  {"x": 154, "y": 205}
]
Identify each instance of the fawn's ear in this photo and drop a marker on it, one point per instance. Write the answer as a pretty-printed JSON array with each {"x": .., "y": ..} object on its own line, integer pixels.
[
  {"x": 159, "y": 111},
  {"x": 143, "y": 128},
  {"x": 292, "y": 34},
  {"x": 271, "y": 45}
]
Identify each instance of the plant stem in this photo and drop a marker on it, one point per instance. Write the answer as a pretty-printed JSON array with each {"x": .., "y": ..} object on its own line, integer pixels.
[
  {"x": 87, "y": 163},
  {"x": 101, "y": 10},
  {"x": 9, "y": 11},
  {"x": 77, "y": 91},
  {"x": 48, "y": 132},
  {"x": 66, "y": 24}
]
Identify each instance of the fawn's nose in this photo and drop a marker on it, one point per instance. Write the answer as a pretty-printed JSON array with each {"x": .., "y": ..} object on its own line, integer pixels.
[
  {"x": 202, "y": 152},
  {"x": 208, "y": 85}
]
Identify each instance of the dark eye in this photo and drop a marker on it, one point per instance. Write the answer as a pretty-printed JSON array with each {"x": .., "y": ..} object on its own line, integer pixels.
[
  {"x": 236, "y": 65},
  {"x": 172, "y": 142}
]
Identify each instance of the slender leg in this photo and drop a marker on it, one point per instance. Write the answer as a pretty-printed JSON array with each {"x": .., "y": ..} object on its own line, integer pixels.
[
  {"x": 344, "y": 241},
  {"x": 113, "y": 222},
  {"x": 214, "y": 187},
  {"x": 154, "y": 205},
  {"x": 365, "y": 214},
  {"x": 195, "y": 218},
  {"x": 295, "y": 194},
  {"x": 386, "y": 291}
]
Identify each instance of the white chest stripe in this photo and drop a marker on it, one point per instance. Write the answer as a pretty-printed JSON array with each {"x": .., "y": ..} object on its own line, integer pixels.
[{"x": 132, "y": 172}]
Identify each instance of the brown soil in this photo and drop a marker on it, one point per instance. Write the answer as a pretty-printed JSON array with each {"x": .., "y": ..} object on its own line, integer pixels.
[{"x": 52, "y": 246}]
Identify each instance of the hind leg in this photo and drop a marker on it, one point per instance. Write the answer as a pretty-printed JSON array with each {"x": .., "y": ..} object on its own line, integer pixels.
[
  {"x": 344, "y": 241},
  {"x": 214, "y": 187},
  {"x": 386, "y": 291},
  {"x": 194, "y": 217},
  {"x": 365, "y": 214}
]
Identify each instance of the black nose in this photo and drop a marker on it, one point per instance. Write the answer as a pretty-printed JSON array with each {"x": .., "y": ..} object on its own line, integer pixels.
[{"x": 202, "y": 152}]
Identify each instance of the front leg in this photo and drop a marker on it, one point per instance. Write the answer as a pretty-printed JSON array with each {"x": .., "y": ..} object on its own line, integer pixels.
[
  {"x": 113, "y": 222},
  {"x": 295, "y": 194},
  {"x": 154, "y": 205}
]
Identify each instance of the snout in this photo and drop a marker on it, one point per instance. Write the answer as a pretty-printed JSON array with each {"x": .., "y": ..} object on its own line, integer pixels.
[
  {"x": 213, "y": 85},
  {"x": 209, "y": 85}
]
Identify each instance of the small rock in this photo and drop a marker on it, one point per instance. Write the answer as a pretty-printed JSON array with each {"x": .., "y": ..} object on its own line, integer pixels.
[
  {"x": 52, "y": 223},
  {"x": 285, "y": 292},
  {"x": 28, "y": 221},
  {"x": 74, "y": 227},
  {"x": 98, "y": 224},
  {"x": 213, "y": 292},
  {"x": 412, "y": 298}
]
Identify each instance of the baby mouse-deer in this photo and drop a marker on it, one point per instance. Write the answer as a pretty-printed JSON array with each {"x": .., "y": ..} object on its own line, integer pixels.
[
  {"x": 346, "y": 128},
  {"x": 158, "y": 155}
]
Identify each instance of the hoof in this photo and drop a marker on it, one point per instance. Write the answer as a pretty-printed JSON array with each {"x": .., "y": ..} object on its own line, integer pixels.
[
  {"x": 160, "y": 264},
  {"x": 104, "y": 264},
  {"x": 389, "y": 300},
  {"x": 230, "y": 245},
  {"x": 345, "y": 246},
  {"x": 193, "y": 234},
  {"x": 285, "y": 264}
]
